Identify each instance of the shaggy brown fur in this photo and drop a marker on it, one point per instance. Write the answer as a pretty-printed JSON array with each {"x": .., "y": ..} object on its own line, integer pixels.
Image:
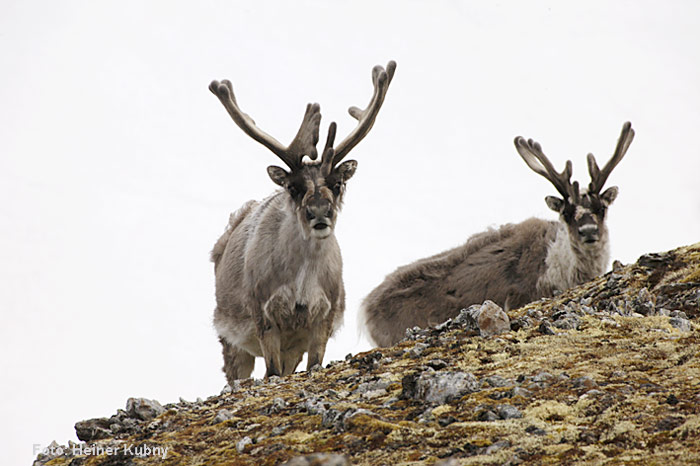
[{"x": 434, "y": 289}]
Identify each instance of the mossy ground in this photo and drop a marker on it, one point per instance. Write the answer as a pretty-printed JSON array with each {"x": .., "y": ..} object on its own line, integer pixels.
[{"x": 617, "y": 390}]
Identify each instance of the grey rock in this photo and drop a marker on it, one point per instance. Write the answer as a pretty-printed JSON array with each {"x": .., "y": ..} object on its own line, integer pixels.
[
  {"x": 447, "y": 462},
  {"x": 584, "y": 382},
  {"x": 332, "y": 418},
  {"x": 95, "y": 429},
  {"x": 467, "y": 317},
  {"x": 679, "y": 314},
  {"x": 437, "y": 364},
  {"x": 681, "y": 324},
  {"x": 487, "y": 415},
  {"x": 315, "y": 406},
  {"x": 438, "y": 387},
  {"x": 279, "y": 430},
  {"x": 417, "y": 350},
  {"x": 521, "y": 323},
  {"x": 243, "y": 443},
  {"x": 644, "y": 303},
  {"x": 542, "y": 377},
  {"x": 489, "y": 319},
  {"x": 534, "y": 430},
  {"x": 508, "y": 412},
  {"x": 492, "y": 319},
  {"x": 546, "y": 328},
  {"x": 144, "y": 409},
  {"x": 568, "y": 322},
  {"x": 319, "y": 459},
  {"x": 497, "y": 381},
  {"x": 372, "y": 386},
  {"x": 493, "y": 448},
  {"x": 223, "y": 415},
  {"x": 277, "y": 405},
  {"x": 339, "y": 421},
  {"x": 519, "y": 391}
]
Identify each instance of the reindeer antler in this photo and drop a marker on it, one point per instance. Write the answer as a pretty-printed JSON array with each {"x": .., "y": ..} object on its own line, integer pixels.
[
  {"x": 381, "y": 79},
  {"x": 303, "y": 144},
  {"x": 598, "y": 177},
  {"x": 532, "y": 154}
]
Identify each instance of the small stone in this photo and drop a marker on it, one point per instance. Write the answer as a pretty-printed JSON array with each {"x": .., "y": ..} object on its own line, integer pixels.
[
  {"x": 319, "y": 459},
  {"x": 542, "y": 377},
  {"x": 681, "y": 324},
  {"x": 95, "y": 429},
  {"x": 492, "y": 320},
  {"x": 373, "y": 386},
  {"x": 417, "y": 350},
  {"x": 438, "y": 387},
  {"x": 143, "y": 408},
  {"x": 279, "y": 430},
  {"x": 644, "y": 303},
  {"x": 467, "y": 317},
  {"x": 447, "y": 462},
  {"x": 487, "y": 416},
  {"x": 243, "y": 443},
  {"x": 594, "y": 392},
  {"x": 374, "y": 394},
  {"x": 437, "y": 364},
  {"x": 497, "y": 381},
  {"x": 508, "y": 412},
  {"x": 314, "y": 406},
  {"x": 584, "y": 382},
  {"x": 493, "y": 448},
  {"x": 546, "y": 328},
  {"x": 534, "y": 430},
  {"x": 567, "y": 322},
  {"x": 519, "y": 391},
  {"x": 668, "y": 423},
  {"x": 520, "y": 323},
  {"x": 278, "y": 404}
]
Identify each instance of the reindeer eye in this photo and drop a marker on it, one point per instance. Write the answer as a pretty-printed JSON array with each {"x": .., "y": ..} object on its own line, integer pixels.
[
  {"x": 292, "y": 190},
  {"x": 337, "y": 186}
]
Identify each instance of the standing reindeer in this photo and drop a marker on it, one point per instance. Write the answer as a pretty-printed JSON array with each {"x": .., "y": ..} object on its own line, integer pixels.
[
  {"x": 279, "y": 284},
  {"x": 513, "y": 265}
]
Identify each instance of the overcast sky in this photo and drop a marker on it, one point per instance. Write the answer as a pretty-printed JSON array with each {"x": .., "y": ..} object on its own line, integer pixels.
[{"x": 118, "y": 168}]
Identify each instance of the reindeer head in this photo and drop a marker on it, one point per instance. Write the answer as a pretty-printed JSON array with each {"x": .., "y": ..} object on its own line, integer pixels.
[
  {"x": 582, "y": 210},
  {"x": 315, "y": 187}
]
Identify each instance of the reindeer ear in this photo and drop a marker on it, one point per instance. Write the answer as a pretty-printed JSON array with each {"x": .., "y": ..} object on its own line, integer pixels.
[
  {"x": 554, "y": 203},
  {"x": 609, "y": 195},
  {"x": 347, "y": 169},
  {"x": 278, "y": 175}
]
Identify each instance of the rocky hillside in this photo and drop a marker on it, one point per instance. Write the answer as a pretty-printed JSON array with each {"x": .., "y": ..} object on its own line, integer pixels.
[{"x": 606, "y": 373}]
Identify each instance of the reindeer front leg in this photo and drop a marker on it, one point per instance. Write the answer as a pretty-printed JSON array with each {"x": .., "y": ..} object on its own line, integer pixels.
[
  {"x": 320, "y": 333},
  {"x": 267, "y": 322}
]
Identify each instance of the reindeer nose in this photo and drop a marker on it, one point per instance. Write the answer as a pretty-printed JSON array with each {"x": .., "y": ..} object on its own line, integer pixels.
[
  {"x": 319, "y": 209},
  {"x": 589, "y": 233}
]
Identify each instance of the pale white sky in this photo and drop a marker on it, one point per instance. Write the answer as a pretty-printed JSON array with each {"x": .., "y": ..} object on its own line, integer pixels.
[{"x": 118, "y": 168}]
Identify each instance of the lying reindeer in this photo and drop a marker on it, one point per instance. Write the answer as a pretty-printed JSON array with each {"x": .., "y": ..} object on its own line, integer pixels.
[
  {"x": 279, "y": 283},
  {"x": 513, "y": 265}
]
